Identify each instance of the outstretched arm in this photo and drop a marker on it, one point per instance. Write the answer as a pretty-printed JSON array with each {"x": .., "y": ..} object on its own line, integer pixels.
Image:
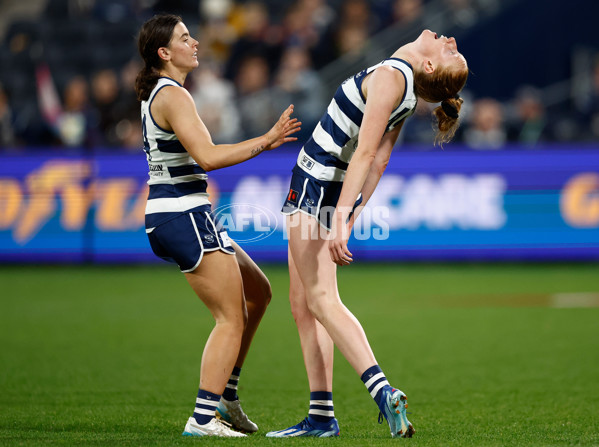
[
  {"x": 173, "y": 107},
  {"x": 385, "y": 88}
]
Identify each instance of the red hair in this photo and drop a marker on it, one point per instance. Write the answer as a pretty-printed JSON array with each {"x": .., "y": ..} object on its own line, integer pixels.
[{"x": 443, "y": 86}]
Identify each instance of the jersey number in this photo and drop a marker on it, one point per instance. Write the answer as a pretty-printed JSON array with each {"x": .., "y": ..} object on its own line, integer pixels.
[{"x": 145, "y": 137}]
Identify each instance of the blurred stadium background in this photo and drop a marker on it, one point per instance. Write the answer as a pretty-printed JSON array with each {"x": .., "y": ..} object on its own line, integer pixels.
[
  {"x": 520, "y": 181},
  {"x": 482, "y": 254}
]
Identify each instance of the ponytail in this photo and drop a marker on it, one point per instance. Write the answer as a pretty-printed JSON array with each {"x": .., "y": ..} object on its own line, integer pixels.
[
  {"x": 154, "y": 34},
  {"x": 145, "y": 82},
  {"x": 447, "y": 118},
  {"x": 443, "y": 86}
]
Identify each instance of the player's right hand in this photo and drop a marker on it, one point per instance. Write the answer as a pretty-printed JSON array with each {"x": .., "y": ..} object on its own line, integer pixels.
[{"x": 281, "y": 131}]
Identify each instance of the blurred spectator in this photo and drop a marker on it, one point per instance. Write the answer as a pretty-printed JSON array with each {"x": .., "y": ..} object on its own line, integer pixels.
[
  {"x": 75, "y": 122},
  {"x": 297, "y": 83},
  {"x": 407, "y": 12},
  {"x": 256, "y": 101},
  {"x": 128, "y": 127},
  {"x": 486, "y": 129},
  {"x": 321, "y": 14},
  {"x": 300, "y": 27},
  {"x": 105, "y": 95},
  {"x": 351, "y": 44},
  {"x": 257, "y": 38},
  {"x": 529, "y": 125},
  {"x": 462, "y": 12},
  {"x": 357, "y": 14},
  {"x": 214, "y": 97},
  {"x": 218, "y": 32},
  {"x": 7, "y": 135}
]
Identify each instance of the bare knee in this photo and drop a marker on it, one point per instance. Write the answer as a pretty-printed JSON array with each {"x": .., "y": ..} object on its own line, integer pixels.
[
  {"x": 235, "y": 320},
  {"x": 320, "y": 306},
  {"x": 300, "y": 311}
]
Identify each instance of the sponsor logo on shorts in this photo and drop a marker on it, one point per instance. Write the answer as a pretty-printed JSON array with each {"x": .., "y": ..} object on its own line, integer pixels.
[
  {"x": 209, "y": 238},
  {"x": 292, "y": 196}
]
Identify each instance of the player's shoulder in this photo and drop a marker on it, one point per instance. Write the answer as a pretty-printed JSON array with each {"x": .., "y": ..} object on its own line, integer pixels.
[
  {"x": 387, "y": 71},
  {"x": 171, "y": 93},
  {"x": 388, "y": 77}
]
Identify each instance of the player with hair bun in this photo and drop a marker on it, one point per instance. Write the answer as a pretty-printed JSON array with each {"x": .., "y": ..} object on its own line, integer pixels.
[{"x": 336, "y": 173}]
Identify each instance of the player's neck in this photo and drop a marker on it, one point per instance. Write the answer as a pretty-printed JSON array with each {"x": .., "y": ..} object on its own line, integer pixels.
[
  {"x": 408, "y": 54},
  {"x": 174, "y": 74}
]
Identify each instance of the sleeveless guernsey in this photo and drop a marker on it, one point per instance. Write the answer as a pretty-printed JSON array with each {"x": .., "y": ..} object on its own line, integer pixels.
[
  {"x": 327, "y": 153},
  {"x": 177, "y": 183}
]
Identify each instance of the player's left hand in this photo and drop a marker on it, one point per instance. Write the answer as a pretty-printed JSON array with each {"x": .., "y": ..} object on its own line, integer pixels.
[{"x": 338, "y": 250}]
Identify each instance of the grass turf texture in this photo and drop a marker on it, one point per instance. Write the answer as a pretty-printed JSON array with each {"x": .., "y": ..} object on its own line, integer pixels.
[{"x": 111, "y": 356}]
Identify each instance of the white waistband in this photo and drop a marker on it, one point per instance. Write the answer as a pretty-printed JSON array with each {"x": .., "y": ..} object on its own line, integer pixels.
[{"x": 318, "y": 170}]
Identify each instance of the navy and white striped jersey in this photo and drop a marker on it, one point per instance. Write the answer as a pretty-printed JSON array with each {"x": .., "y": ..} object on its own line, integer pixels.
[
  {"x": 327, "y": 153},
  {"x": 177, "y": 182}
]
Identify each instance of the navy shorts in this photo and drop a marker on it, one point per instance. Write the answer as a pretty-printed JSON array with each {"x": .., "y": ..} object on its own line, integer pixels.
[
  {"x": 184, "y": 239},
  {"x": 317, "y": 198}
]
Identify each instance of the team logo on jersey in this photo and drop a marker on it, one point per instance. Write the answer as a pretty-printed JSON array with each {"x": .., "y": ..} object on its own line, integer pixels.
[
  {"x": 307, "y": 162},
  {"x": 292, "y": 196}
]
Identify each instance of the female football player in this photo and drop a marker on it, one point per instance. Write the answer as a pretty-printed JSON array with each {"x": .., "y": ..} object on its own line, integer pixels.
[
  {"x": 180, "y": 224},
  {"x": 337, "y": 171}
]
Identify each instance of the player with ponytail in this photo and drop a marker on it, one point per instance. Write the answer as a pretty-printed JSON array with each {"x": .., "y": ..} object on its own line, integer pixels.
[
  {"x": 182, "y": 227},
  {"x": 337, "y": 171}
]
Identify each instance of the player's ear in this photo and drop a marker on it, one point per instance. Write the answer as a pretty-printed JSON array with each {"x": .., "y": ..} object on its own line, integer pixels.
[
  {"x": 164, "y": 53},
  {"x": 428, "y": 66}
]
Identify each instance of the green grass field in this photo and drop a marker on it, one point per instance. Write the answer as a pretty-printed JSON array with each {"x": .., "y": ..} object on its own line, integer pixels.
[{"x": 487, "y": 354}]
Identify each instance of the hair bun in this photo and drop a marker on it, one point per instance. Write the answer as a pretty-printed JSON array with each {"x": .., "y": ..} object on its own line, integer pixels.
[{"x": 450, "y": 110}]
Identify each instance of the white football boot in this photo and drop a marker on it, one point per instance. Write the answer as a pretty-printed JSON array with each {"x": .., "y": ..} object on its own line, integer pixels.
[{"x": 215, "y": 427}]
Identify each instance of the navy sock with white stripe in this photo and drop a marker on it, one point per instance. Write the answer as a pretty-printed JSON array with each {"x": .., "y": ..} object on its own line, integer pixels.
[
  {"x": 206, "y": 404},
  {"x": 230, "y": 392},
  {"x": 321, "y": 406},
  {"x": 375, "y": 381}
]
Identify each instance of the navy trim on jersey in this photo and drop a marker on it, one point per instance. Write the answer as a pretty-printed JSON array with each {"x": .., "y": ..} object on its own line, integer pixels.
[
  {"x": 166, "y": 77},
  {"x": 166, "y": 190},
  {"x": 398, "y": 118},
  {"x": 405, "y": 90},
  {"x": 180, "y": 171},
  {"x": 359, "y": 80},
  {"x": 397, "y": 59},
  {"x": 170, "y": 146},
  {"x": 150, "y": 108}
]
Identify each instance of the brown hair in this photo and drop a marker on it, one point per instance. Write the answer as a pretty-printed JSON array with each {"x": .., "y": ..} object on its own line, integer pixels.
[
  {"x": 443, "y": 86},
  {"x": 154, "y": 34}
]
